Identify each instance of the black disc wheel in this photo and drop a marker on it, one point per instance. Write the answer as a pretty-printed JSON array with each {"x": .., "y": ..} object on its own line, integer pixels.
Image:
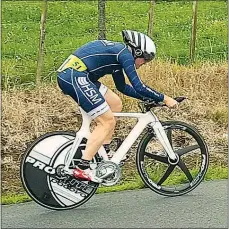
[
  {"x": 167, "y": 177},
  {"x": 42, "y": 172}
]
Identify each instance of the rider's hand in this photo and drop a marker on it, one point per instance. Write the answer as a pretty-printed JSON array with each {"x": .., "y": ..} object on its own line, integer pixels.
[{"x": 170, "y": 102}]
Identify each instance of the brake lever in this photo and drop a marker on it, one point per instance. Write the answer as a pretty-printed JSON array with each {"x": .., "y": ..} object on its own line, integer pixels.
[
  {"x": 179, "y": 99},
  {"x": 148, "y": 105}
]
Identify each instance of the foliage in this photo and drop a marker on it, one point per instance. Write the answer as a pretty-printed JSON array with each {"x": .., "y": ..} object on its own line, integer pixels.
[
  {"x": 71, "y": 24},
  {"x": 214, "y": 173}
]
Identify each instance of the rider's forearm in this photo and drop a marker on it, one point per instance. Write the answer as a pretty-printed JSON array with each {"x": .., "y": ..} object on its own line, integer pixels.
[
  {"x": 149, "y": 92},
  {"x": 128, "y": 64},
  {"x": 140, "y": 88}
]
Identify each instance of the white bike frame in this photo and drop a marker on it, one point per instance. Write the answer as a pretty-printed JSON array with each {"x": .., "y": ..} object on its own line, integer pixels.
[{"x": 144, "y": 119}]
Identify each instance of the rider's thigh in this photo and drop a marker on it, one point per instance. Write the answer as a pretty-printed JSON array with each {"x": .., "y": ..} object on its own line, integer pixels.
[
  {"x": 106, "y": 119},
  {"x": 113, "y": 100},
  {"x": 84, "y": 92}
]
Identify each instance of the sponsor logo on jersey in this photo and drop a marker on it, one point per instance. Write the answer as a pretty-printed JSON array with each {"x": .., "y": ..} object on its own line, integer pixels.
[
  {"x": 82, "y": 81},
  {"x": 88, "y": 91}
]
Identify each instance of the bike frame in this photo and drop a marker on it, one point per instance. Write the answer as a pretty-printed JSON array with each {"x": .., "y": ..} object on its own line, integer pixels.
[{"x": 144, "y": 120}]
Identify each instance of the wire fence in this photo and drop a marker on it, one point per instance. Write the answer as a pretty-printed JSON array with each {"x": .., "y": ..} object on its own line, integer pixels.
[{"x": 70, "y": 24}]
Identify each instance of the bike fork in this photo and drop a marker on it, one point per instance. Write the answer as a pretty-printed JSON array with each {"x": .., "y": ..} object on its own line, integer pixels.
[{"x": 162, "y": 137}]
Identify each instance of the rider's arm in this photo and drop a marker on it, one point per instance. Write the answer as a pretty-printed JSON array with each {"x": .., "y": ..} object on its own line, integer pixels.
[
  {"x": 127, "y": 62},
  {"x": 126, "y": 89}
]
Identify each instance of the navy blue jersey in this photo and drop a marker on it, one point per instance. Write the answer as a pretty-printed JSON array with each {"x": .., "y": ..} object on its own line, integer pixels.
[{"x": 103, "y": 57}]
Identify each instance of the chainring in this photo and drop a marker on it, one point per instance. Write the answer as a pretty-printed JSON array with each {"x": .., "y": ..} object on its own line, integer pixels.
[{"x": 110, "y": 172}]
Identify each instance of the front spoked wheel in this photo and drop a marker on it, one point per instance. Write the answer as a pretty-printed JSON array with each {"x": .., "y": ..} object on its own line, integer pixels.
[{"x": 173, "y": 178}]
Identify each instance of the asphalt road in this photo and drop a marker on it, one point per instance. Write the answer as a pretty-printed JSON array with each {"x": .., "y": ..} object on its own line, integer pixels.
[{"x": 204, "y": 207}]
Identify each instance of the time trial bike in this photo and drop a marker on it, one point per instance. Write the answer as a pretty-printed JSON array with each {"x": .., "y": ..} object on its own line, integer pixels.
[{"x": 172, "y": 159}]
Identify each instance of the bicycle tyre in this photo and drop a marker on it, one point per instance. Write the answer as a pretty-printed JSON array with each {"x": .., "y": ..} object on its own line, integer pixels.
[
  {"x": 156, "y": 185},
  {"x": 26, "y": 180}
]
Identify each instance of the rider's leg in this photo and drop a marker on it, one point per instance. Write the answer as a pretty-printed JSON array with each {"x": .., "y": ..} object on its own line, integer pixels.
[
  {"x": 105, "y": 126},
  {"x": 90, "y": 98},
  {"x": 115, "y": 104},
  {"x": 105, "y": 123}
]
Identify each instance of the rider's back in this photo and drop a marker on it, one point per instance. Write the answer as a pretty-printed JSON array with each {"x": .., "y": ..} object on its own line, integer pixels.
[{"x": 101, "y": 56}]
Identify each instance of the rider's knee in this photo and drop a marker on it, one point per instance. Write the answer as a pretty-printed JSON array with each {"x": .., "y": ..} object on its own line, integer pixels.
[
  {"x": 114, "y": 101},
  {"x": 118, "y": 105},
  {"x": 108, "y": 122}
]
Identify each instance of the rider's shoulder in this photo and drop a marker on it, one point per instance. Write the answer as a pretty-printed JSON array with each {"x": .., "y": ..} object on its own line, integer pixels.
[{"x": 106, "y": 43}]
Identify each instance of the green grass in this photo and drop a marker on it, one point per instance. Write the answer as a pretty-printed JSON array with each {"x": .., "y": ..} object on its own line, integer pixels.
[
  {"x": 213, "y": 173},
  {"x": 71, "y": 24},
  {"x": 15, "y": 198}
]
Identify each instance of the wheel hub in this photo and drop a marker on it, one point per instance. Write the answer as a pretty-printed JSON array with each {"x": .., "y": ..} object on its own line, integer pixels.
[{"x": 174, "y": 162}]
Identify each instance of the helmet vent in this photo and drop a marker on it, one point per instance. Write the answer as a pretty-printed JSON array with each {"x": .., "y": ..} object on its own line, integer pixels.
[{"x": 133, "y": 37}]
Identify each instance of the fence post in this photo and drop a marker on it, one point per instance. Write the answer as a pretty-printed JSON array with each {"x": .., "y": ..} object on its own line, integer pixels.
[
  {"x": 41, "y": 42},
  {"x": 151, "y": 18},
  {"x": 102, "y": 19},
  {"x": 194, "y": 25}
]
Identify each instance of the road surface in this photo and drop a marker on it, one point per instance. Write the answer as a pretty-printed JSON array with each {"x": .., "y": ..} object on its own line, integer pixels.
[{"x": 204, "y": 207}]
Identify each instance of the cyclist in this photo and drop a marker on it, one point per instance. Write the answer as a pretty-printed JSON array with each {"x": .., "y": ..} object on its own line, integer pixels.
[{"x": 78, "y": 77}]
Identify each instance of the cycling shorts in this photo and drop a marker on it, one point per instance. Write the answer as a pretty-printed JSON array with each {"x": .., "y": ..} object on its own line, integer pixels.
[{"x": 89, "y": 95}]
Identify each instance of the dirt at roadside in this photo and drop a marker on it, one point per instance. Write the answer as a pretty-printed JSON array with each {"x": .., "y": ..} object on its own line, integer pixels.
[{"x": 27, "y": 114}]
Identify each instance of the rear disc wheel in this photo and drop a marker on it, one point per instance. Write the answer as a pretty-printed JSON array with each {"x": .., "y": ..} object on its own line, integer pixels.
[{"x": 42, "y": 176}]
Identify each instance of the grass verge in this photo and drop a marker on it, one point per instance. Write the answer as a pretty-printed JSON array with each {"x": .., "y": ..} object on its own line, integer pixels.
[
  {"x": 171, "y": 32},
  {"x": 214, "y": 173}
]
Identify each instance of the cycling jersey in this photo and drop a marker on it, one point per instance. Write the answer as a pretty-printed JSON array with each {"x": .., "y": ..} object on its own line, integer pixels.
[{"x": 94, "y": 60}]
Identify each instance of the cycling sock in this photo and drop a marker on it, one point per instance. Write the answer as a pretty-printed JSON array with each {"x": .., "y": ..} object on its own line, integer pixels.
[{"x": 84, "y": 164}]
